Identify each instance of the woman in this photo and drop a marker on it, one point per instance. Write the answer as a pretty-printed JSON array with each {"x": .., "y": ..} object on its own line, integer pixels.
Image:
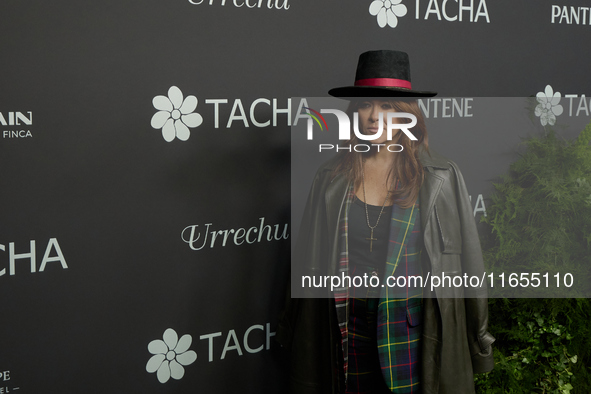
[{"x": 387, "y": 213}]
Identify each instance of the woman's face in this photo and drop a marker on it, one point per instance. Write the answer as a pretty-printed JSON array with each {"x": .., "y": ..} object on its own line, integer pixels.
[{"x": 369, "y": 118}]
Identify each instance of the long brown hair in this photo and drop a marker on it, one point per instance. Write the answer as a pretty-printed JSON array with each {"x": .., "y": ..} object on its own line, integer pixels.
[{"x": 406, "y": 169}]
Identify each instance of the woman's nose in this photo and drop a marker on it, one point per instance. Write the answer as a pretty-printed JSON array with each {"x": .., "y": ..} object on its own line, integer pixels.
[{"x": 374, "y": 114}]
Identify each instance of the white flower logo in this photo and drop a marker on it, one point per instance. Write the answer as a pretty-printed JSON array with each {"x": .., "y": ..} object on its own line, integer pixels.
[
  {"x": 175, "y": 115},
  {"x": 170, "y": 355},
  {"x": 548, "y": 108},
  {"x": 388, "y": 11}
]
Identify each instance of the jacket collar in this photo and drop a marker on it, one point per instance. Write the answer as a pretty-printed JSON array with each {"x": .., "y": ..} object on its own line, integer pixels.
[
  {"x": 432, "y": 183},
  {"x": 433, "y": 160}
]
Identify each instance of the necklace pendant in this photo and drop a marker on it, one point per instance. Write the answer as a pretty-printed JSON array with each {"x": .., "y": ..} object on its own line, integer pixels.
[{"x": 371, "y": 239}]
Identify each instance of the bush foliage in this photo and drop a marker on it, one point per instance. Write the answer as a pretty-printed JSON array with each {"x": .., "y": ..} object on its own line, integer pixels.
[{"x": 540, "y": 221}]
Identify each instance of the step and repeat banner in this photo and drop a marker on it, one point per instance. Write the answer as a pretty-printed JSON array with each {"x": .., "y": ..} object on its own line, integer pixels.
[{"x": 145, "y": 180}]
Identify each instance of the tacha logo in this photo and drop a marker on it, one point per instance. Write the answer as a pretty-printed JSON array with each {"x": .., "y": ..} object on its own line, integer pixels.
[
  {"x": 548, "y": 108},
  {"x": 170, "y": 355},
  {"x": 53, "y": 253},
  {"x": 389, "y": 11},
  {"x": 175, "y": 115}
]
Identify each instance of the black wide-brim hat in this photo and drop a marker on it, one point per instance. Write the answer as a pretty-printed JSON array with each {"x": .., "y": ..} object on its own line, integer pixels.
[{"x": 382, "y": 73}]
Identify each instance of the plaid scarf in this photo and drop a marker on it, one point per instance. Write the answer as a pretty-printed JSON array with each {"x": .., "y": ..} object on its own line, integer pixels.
[{"x": 400, "y": 308}]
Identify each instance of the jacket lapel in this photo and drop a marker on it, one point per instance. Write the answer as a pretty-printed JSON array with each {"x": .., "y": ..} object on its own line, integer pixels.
[
  {"x": 401, "y": 225},
  {"x": 335, "y": 198},
  {"x": 428, "y": 194},
  {"x": 336, "y": 194}
]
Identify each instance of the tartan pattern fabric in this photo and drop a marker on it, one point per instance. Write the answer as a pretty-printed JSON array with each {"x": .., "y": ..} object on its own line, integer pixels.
[
  {"x": 399, "y": 309},
  {"x": 364, "y": 373},
  {"x": 341, "y": 294}
]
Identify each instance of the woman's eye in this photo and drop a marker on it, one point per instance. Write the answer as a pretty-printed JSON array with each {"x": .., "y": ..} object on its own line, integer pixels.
[
  {"x": 386, "y": 106},
  {"x": 364, "y": 105}
]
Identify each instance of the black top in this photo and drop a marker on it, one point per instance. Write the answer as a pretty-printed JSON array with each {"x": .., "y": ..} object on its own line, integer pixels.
[
  {"x": 364, "y": 374},
  {"x": 359, "y": 232}
]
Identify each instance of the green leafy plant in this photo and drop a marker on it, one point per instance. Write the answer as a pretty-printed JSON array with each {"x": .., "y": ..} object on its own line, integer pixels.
[
  {"x": 540, "y": 221},
  {"x": 540, "y": 215},
  {"x": 539, "y": 349}
]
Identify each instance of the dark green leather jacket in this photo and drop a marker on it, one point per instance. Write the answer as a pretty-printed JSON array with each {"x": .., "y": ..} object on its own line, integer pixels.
[{"x": 455, "y": 341}]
